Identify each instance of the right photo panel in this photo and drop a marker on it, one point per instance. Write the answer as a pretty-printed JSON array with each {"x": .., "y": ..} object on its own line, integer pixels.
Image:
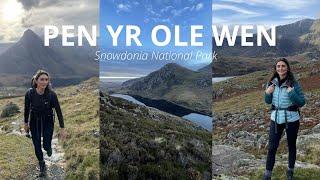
[{"x": 266, "y": 89}]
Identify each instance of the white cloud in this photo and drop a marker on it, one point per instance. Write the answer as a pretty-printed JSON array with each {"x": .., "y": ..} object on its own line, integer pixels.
[
  {"x": 296, "y": 17},
  {"x": 280, "y": 4},
  {"x": 161, "y": 20},
  {"x": 51, "y": 12},
  {"x": 249, "y": 16},
  {"x": 166, "y": 9},
  {"x": 146, "y": 20},
  {"x": 179, "y": 12},
  {"x": 123, "y": 8},
  {"x": 199, "y": 6},
  {"x": 216, "y": 7},
  {"x": 243, "y": 20},
  {"x": 151, "y": 13},
  {"x": 10, "y": 18}
]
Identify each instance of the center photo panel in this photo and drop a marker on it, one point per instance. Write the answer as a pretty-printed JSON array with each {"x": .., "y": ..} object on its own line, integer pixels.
[{"x": 155, "y": 89}]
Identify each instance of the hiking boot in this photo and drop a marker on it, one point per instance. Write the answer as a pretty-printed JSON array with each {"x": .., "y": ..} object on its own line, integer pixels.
[
  {"x": 290, "y": 174},
  {"x": 49, "y": 152},
  {"x": 43, "y": 169},
  {"x": 266, "y": 176}
]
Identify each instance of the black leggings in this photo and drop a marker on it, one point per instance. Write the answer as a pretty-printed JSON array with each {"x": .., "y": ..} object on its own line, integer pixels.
[
  {"x": 274, "y": 138},
  {"x": 41, "y": 124}
]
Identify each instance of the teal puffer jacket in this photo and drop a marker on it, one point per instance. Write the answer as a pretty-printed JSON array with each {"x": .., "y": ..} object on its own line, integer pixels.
[{"x": 280, "y": 98}]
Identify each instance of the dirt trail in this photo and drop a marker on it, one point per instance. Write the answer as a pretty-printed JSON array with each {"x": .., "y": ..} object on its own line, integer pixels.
[{"x": 55, "y": 164}]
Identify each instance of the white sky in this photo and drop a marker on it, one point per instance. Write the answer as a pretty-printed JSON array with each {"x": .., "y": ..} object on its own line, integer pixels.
[{"x": 18, "y": 15}]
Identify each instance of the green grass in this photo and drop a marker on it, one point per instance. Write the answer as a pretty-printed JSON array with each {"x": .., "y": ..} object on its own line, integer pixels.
[
  {"x": 312, "y": 154},
  {"x": 252, "y": 100},
  {"x": 81, "y": 122},
  {"x": 279, "y": 173},
  {"x": 16, "y": 156},
  {"x": 151, "y": 158}
]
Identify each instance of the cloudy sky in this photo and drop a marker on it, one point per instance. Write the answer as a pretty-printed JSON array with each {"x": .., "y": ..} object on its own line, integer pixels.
[
  {"x": 263, "y": 12},
  {"x": 147, "y": 14},
  {"x": 19, "y": 15}
]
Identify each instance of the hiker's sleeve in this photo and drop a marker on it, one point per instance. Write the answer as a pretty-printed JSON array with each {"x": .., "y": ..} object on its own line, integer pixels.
[
  {"x": 58, "y": 110},
  {"x": 296, "y": 95},
  {"x": 26, "y": 107},
  {"x": 268, "y": 97}
]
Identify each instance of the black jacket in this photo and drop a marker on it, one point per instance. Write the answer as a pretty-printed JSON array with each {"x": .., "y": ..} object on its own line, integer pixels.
[{"x": 42, "y": 104}]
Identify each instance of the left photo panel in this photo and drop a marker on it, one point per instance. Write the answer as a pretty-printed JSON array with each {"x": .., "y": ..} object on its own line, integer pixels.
[{"x": 49, "y": 89}]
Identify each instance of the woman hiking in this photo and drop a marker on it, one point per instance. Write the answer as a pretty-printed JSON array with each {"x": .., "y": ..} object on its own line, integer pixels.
[
  {"x": 39, "y": 101},
  {"x": 286, "y": 96}
]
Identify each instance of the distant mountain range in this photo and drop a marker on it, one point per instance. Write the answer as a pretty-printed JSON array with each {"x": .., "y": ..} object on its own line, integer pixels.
[
  {"x": 292, "y": 39},
  {"x": 174, "y": 83},
  {"x": 299, "y": 42},
  {"x": 67, "y": 65}
]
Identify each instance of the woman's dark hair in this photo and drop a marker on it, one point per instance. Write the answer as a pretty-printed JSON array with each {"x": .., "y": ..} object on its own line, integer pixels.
[
  {"x": 36, "y": 77},
  {"x": 290, "y": 78}
]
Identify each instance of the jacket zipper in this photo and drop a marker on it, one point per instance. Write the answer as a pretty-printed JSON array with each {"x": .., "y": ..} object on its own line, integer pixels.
[{"x": 278, "y": 102}]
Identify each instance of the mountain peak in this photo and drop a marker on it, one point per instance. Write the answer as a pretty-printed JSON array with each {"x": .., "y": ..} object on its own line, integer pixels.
[
  {"x": 30, "y": 36},
  {"x": 169, "y": 73},
  {"x": 173, "y": 67},
  {"x": 306, "y": 20},
  {"x": 29, "y": 32}
]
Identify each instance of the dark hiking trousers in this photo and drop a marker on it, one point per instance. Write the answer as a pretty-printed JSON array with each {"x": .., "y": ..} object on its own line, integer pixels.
[
  {"x": 274, "y": 139},
  {"x": 41, "y": 125}
]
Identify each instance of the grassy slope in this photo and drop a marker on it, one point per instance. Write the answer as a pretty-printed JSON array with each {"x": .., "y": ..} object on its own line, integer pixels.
[
  {"x": 19, "y": 152},
  {"x": 134, "y": 132},
  {"x": 80, "y": 107},
  {"x": 81, "y": 112},
  {"x": 279, "y": 173}
]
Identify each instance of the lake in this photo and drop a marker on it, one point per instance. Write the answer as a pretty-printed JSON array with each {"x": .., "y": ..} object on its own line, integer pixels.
[
  {"x": 199, "y": 119},
  {"x": 218, "y": 79},
  {"x": 128, "y": 98}
]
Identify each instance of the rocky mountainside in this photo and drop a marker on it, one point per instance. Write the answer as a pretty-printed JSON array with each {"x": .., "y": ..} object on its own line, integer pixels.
[
  {"x": 206, "y": 69},
  {"x": 80, "y": 58},
  {"x": 313, "y": 37},
  {"x": 25, "y": 57},
  {"x": 224, "y": 65},
  {"x": 138, "y": 142},
  {"x": 292, "y": 39},
  {"x": 4, "y": 47},
  {"x": 176, "y": 84},
  {"x": 242, "y": 121},
  {"x": 169, "y": 75},
  {"x": 29, "y": 54}
]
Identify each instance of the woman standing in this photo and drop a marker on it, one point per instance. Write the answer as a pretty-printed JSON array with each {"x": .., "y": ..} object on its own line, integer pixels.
[
  {"x": 39, "y": 101},
  {"x": 286, "y": 96}
]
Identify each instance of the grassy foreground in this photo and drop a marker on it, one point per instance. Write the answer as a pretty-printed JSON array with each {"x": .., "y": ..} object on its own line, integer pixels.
[
  {"x": 280, "y": 173},
  {"x": 19, "y": 152},
  {"x": 80, "y": 107}
]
